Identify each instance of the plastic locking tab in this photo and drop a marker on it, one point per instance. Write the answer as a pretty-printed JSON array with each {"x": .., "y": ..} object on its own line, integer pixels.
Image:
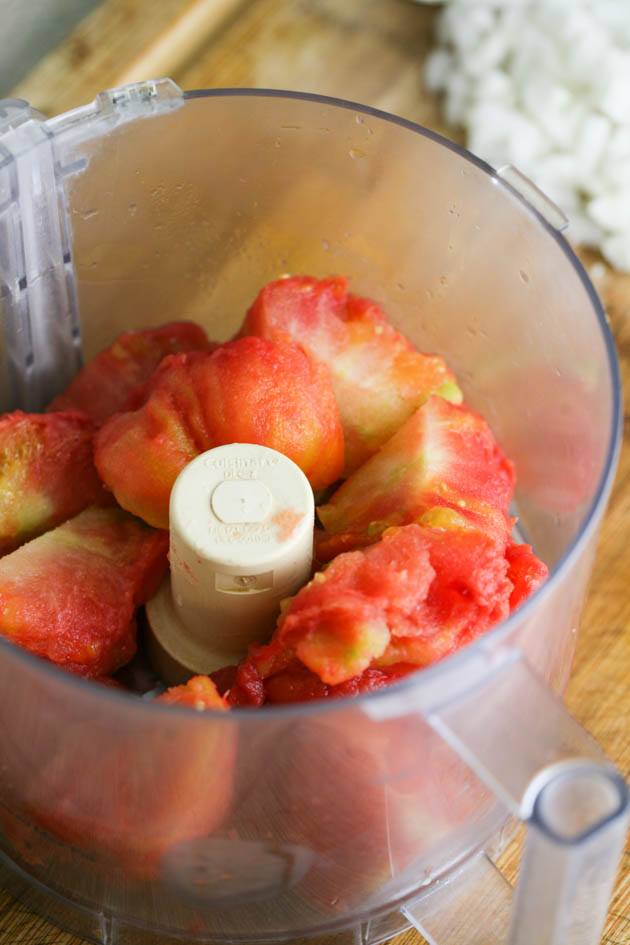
[{"x": 534, "y": 196}]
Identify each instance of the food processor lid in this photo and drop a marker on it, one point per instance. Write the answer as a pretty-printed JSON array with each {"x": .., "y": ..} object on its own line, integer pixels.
[{"x": 40, "y": 329}]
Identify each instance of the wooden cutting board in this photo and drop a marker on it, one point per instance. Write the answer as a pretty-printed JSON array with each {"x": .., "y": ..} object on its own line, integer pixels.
[{"x": 370, "y": 51}]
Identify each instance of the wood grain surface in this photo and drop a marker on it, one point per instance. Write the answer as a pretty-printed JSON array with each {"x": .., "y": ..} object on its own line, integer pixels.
[{"x": 369, "y": 51}]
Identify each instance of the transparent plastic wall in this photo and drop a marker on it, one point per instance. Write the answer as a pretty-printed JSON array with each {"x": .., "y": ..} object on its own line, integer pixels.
[
  {"x": 190, "y": 213},
  {"x": 277, "y": 824}
]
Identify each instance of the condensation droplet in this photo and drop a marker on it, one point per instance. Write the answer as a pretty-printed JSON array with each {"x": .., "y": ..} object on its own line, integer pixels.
[
  {"x": 276, "y": 143},
  {"x": 401, "y": 286},
  {"x": 326, "y": 246},
  {"x": 132, "y": 208},
  {"x": 356, "y": 153},
  {"x": 524, "y": 276},
  {"x": 443, "y": 280},
  {"x": 88, "y": 214}
]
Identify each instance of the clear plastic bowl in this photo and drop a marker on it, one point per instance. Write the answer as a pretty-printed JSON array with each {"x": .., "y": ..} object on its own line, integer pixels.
[{"x": 135, "y": 822}]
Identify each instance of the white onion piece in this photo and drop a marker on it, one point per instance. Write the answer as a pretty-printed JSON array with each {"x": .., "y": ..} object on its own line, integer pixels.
[{"x": 545, "y": 85}]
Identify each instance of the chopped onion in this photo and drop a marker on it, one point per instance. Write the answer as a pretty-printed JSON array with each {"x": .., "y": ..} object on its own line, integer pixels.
[{"x": 545, "y": 85}]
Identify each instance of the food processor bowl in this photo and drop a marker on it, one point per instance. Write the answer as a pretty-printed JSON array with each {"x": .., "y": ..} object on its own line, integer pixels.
[{"x": 134, "y": 822}]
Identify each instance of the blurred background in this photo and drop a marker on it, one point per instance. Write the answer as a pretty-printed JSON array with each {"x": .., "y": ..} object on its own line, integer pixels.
[
  {"x": 30, "y": 30},
  {"x": 59, "y": 53},
  {"x": 542, "y": 85}
]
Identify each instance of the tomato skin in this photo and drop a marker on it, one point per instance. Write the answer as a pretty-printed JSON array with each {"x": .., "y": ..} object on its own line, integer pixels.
[
  {"x": 296, "y": 683},
  {"x": 47, "y": 473},
  {"x": 378, "y": 376},
  {"x": 224, "y": 678},
  {"x": 246, "y": 391},
  {"x": 70, "y": 595},
  {"x": 112, "y": 381},
  {"x": 248, "y": 688},
  {"x": 299, "y": 684}
]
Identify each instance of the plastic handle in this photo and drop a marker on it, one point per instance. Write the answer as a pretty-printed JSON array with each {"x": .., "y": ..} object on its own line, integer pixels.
[
  {"x": 40, "y": 335},
  {"x": 518, "y": 738}
]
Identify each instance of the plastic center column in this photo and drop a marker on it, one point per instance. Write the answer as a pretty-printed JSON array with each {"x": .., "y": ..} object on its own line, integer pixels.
[{"x": 241, "y": 540}]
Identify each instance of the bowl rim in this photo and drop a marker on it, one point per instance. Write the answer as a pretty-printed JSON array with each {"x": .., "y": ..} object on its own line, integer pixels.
[{"x": 589, "y": 524}]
